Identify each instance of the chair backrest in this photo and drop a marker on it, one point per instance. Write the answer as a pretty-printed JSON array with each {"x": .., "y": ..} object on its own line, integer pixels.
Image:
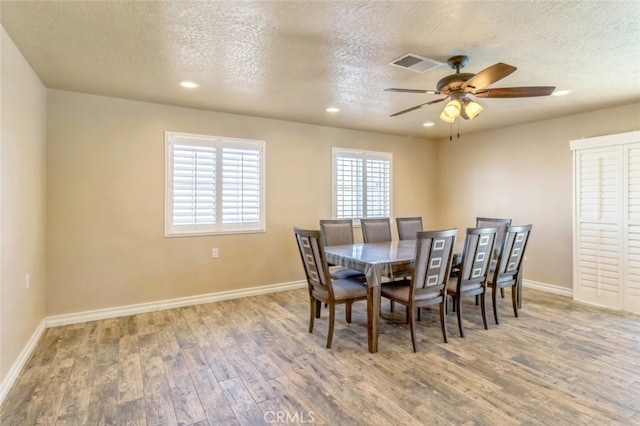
[
  {"x": 314, "y": 261},
  {"x": 494, "y": 222},
  {"x": 338, "y": 232},
  {"x": 376, "y": 230},
  {"x": 510, "y": 260},
  {"x": 408, "y": 227},
  {"x": 476, "y": 256},
  {"x": 432, "y": 263}
]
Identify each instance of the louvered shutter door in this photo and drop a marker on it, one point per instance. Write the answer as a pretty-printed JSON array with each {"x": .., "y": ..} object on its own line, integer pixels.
[
  {"x": 599, "y": 269},
  {"x": 631, "y": 299},
  {"x": 607, "y": 220}
]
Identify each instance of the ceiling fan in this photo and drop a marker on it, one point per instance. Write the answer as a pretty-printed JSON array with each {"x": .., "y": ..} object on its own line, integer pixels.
[{"x": 460, "y": 87}]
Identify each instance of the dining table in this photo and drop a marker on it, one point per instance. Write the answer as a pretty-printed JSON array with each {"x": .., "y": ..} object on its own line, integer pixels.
[{"x": 375, "y": 260}]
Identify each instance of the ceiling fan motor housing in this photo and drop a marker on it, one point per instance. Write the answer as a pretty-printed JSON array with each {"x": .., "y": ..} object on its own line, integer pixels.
[{"x": 452, "y": 82}]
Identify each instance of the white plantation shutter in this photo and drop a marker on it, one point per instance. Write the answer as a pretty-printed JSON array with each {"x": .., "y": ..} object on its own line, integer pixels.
[
  {"x": 607, "y": 221},
  {"x": 213, "y": 185},
  {"x": 377, "y": 187},
  {"x": 241, "y": 185},
  {"x": 632, "y": 289},
  {"x": 361, "y": 184},
  {"x": 599, "y": 221},
  {"x": 194, "y": 185},
  {"x": 349, "y": 187}
]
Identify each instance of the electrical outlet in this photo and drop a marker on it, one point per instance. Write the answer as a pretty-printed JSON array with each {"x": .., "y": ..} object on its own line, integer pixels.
[
  {"x": 215, "y": 253},
  {"x": 27, "y": 280}
]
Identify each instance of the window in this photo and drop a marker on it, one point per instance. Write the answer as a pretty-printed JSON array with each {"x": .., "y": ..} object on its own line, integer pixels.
[
  {"x": 213, "y": 185},
  {"x": 361, "y": 184}
]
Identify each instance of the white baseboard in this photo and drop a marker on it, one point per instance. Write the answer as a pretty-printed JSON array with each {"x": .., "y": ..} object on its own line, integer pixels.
[
  {"x": 98, "y": 314},
  {"x": 549, "y": 288},
  {"x": 24, "y": 356}
]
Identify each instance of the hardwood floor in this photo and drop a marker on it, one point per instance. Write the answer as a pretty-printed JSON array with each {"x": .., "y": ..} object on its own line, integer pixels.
[{"x": 251, "y": 361}]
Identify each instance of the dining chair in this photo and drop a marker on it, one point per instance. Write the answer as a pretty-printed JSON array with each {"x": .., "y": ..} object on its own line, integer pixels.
[
  {"x": 474, "y": 271},
  {"x": 492, "y": 222},
  {"x": 339, "y": 232},
  {"x": 502, "y": 224},
  {"x": 408, "y": 227},
  {"x": 509, "y": 268},
  {"x": 376, "y": 230},
  {"x": 322, "y": 288},
  {"x": 428, "y": 284}
]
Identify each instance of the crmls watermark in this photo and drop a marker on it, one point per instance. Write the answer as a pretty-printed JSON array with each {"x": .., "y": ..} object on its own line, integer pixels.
[{"x": 298, "y": 417}]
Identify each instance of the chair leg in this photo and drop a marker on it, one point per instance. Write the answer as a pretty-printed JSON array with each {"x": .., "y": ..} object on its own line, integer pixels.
[
  {"x": 483, "y": 308},
  {"x": 502, "y": 292},
  {"x": 494, "y": 300},
  {"x": 443, "y": 319},
  {"x": 477, "y": 299},
  {"x": 318, "y": 308},
  {"x": 514, "y": 299},
  {"x": 412, "y": 327},
  {"x": 391, "y": 305},
  {"x": 347, "y": 311},
  {"x": 332, "y": 318},
  {"x": 406, "y": 315},
  {"x": 458, "y": 306},
  {"x": 312, "y": 313},
  {"x": 419, "y": 314}
]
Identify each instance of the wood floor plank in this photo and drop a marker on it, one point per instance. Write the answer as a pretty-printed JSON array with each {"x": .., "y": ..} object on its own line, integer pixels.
[
  {"x": 246, "y": 361},
  {"x": 187, "y": 405},
  {"x": 241, "y": 402},
  {"x": 103, "y": 407},
  {"x": 216, "y": 407},
  {"x": 75, "y": 402},
  {"x": 158, "y": 401}
]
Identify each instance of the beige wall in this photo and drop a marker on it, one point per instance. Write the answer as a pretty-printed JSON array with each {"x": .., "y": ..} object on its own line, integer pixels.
[
  {"x": 22, "y": 203},
  {"x": 105, "y": 186},
  {"x": 525, "y": 173}
]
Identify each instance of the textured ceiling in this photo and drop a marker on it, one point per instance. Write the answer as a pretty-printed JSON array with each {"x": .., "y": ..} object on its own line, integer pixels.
[{"x": 291, "y": 60}]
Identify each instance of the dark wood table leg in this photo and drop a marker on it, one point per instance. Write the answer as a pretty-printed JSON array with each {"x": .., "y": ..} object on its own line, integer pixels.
[
  {"x": 373, "y": 313},
  {"x": 373, "y": 307}
]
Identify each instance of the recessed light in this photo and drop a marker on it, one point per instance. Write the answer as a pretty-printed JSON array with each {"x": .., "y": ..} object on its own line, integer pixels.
[
  {"x": 428, "y": 124},
  {"x": 332, "y": 109},
  {"x": 189, "y": 84},
  {"x": 561, "y": 92}
]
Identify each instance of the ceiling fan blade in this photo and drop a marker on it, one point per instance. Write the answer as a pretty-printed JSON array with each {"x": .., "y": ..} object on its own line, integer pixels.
[
  {"x": 489, "y": 76},
  {"x": 418, "y": 107},
  {"x": 393, "y": 89},
  {"x": 515, "y": 92}
]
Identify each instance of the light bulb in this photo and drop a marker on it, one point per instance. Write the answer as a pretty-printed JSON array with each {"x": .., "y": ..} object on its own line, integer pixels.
[
  {"x": 452, "y": 110},
  {"x": 446, "y": 118},
  {"x": 472, "y": 109}
]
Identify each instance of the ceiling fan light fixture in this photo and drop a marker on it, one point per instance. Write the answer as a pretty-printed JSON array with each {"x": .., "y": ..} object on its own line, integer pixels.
[
  {"x": 472, "y": 109},
  {"x": 444, "y": 117},
  {"x": 452, "y": 110}
]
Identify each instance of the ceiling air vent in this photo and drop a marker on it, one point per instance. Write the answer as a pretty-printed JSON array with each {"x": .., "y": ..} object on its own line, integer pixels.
[{"x": 416, "y": 63}]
